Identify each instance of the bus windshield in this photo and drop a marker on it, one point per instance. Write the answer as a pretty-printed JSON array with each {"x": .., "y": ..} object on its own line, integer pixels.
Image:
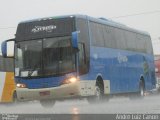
[{"x": 44, "y": 57}]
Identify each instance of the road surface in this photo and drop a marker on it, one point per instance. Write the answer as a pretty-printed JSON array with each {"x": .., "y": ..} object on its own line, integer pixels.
[{"x": 150, "y": 104}]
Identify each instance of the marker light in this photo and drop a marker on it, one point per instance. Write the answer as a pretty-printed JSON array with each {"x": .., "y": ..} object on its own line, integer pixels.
[
  {"x": 69, "y": 80},
  {"x": 19, "y": 85}
]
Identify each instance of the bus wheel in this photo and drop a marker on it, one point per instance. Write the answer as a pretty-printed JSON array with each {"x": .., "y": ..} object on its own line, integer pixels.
[
  {"x": 140, "y": 94},
  {"x": 141, "y": 89},
  {"x": 99, "y": 94},
  {"x": 47, "y": 103}
]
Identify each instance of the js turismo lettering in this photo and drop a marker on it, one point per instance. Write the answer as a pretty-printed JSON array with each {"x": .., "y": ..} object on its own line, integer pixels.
[{"x": 43, "y": 28}]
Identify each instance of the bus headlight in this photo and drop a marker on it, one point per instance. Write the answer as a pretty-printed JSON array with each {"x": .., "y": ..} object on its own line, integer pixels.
[
  {"x": 19, "y": 85},
  {"x": 69, "y": 80},
  {"x": 72, "y": 79}
]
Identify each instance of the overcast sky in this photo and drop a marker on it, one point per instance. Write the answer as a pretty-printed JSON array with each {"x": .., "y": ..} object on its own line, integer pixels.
[{"x": 14, "y": 11}]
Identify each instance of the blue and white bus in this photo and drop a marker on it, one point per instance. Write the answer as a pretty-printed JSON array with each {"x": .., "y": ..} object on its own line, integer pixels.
[{"x": 80, "y": 56}]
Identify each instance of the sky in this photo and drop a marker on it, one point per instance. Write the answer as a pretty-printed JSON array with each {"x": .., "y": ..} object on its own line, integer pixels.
[{"x": 14, "y": 11}]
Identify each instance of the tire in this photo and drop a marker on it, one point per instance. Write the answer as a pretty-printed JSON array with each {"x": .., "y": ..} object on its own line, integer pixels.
[
  {"x": 99, "y": 94},
  {"x": 140, "y": 94},
  {"x": 141, "y": 89},
  {"x": 47, "y": 103}
]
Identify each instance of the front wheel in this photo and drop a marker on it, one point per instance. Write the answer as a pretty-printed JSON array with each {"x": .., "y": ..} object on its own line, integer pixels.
[
  {"x": 47, "y": 103},
  {"x": 99, "y": 96}
]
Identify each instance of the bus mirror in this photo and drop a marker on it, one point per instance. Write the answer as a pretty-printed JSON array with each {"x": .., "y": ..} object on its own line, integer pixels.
[
  {"x": 75, "y": 39},
  {"x": 4, "y": 49},
  {"x": 7, "y": 48}
]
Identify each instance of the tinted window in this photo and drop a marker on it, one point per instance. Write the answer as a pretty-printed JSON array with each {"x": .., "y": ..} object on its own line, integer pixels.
[
  {"x": 141, "y": 43},
  {"x": 82, "y": 58},
  {"x": 109, "y": 36},
  {"x": 97, "y": 34},
  {"x": 82, "y": 26},
  {"x": 58, "y": 57},
  {"x": 112, "y": 37},
  {"x": 130, "y": 40},
  {"x": 120, "y": 38},
  {"x": 93, "y": 33},
  {"x": 149, "y": 48}
]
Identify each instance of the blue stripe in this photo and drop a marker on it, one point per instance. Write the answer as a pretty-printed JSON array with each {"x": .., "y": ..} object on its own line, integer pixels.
[{"x": 38, "y": 83}]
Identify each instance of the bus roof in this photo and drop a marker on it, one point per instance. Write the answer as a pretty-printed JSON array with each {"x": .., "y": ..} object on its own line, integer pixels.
[{"x": 102, "y": 20}]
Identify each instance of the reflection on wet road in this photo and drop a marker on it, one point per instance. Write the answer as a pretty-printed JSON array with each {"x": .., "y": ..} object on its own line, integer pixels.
[
  {"x": 74, "y": 110},
  {"x": 150, "y": 104}
]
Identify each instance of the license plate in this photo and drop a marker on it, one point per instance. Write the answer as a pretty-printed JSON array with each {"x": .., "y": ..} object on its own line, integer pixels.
[{"x": 44, "y": 93}]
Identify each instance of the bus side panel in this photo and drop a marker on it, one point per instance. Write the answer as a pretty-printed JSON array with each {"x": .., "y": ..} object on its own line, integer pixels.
[
  {"x": 122, "y": 68},
  {"x": 2, "y": 82},
  {"x": 9, "y": 87}
]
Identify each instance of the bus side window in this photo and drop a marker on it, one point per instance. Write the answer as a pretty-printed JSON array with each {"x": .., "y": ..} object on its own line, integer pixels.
[{"x": 82, "y": 57}]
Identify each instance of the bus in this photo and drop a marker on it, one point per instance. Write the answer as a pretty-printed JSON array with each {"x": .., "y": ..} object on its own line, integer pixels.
[
  {"x": 7, "y": 84},
  {"x": 78, "y": 56}
]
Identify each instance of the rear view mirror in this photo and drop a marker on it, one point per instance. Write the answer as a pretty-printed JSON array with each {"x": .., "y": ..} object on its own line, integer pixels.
[
  {"x": 7, "y": 48},
  {"x": 4, "y": 49},
  {"x": 75, "y": 39}
]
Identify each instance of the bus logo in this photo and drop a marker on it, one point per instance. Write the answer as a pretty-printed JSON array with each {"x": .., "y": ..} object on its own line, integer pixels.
[
  {"x": 49, "y": 28},
  {"x": 122, "y": 58}
]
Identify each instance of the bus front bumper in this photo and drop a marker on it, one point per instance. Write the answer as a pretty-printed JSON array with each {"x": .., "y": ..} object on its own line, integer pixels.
[{"x": 77, "y": 89}]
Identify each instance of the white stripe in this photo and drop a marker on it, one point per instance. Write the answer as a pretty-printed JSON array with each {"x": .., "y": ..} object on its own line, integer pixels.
[{"x": 2, "y": 82}]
